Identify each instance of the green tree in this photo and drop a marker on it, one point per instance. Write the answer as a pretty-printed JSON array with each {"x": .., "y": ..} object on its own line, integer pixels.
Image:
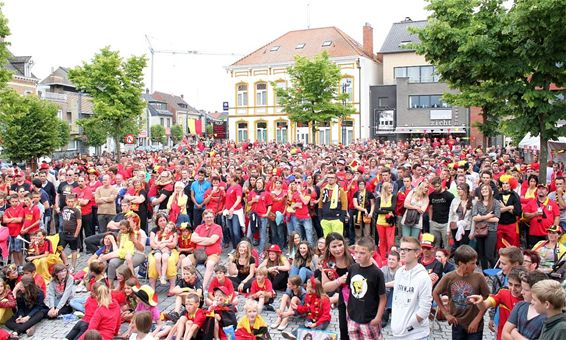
[
  {"x": 505, "y": 61},
  {"x": 5, "y": 75},
  {"x": 116, "y": 86},
  {"x": 94, "y": 134},
  {"x": 158, "y": 134},
  {"x": 177, "y": 133},
  {"x": 27, "y": 124},
  {"x": 314, "y": 96}
]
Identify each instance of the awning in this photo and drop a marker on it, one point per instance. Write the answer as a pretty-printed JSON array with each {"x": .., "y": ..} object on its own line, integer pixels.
[{"x": 431, "y": 129}]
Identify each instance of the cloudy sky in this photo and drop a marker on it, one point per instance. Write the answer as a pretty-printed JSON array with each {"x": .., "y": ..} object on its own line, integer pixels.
[{"x": 67, "y": 32}]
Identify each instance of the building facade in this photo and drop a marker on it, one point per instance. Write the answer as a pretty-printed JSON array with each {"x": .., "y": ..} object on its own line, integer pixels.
[
  {"x": 23, "y": 81},
  {"x": 254, "y": 112},
  {"x": 409, "y": 101},
  {"x": 183, "y": 114}
]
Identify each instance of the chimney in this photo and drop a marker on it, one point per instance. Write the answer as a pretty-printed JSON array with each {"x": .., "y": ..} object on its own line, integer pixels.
[
  {"x": 182, "y": 96},
  {"x": 368, "y": 39},
  {"x": 146, "y": 90}
]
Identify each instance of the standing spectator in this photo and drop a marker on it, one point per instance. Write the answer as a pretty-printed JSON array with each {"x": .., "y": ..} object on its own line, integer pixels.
[
  {"x": 333, "y": 205},
  {"x": 466, "y": 319},
  {"x": 260, "y": 201},
  {"x": 542, "y": 213},
  {"x": 460, "y": 220},
  {"x": 507, "y": 230},
  {"x": 105, "y": 198},
  {"x": 71, "y": 229},
  {"x": 440, "y": 200},
  {"x": 411, "y": 294},
  {"x": 385, "y": 208},
  {"x": 416, "y": 204},
  {"x": 198, "y": 188},
  {"x": 279, "y": 201},
  {"x": 364, "y": 204},
  {"x": 559, "y": 197},
  {"x": 300, "y": 202},
  {"x": 548, "y": 299},
  {"x": 214, "y": 199},
  {"x": 485, "y": 213},
  {"x": 13, "y": 218},
  {"x": 85, "y": 200},
  {"x": 389, "y": 271},
  {"x": 367, "y": 294},
  {"x": 234, "y": 212}
]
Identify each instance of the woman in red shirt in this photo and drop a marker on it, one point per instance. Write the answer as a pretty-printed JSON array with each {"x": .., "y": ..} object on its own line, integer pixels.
[
  {"x": 106, "y": 319},
  {"x": 260, "y": 201},
  {"x": 278, "y": 203},
  {"x": 233, "y": 209}
]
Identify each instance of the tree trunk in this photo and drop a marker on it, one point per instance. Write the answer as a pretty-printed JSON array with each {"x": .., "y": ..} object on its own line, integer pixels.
[
  {"x": 117, "y": 147},
  {"x": 313, "y": 133},
  {"x": 543, "y": 157}
]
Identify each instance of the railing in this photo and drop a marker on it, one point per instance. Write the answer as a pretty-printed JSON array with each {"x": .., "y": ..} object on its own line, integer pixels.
[{"x": 54, "y": 96}]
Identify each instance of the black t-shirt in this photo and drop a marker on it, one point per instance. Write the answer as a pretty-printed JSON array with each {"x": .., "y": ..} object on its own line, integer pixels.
[
  {"x": 165, "y": 191},
  {"x": 71, "y": 216},
  {"x": 181, "y": 283},
  {"x": 16, "y": 187},
  {"x": 366, "y": 286},
  {"x": 63, "y": 190},
  {"x": 440, "y": 202},
  {"x": 244, "y": 271},
  {"x": 368, "y": 198}
]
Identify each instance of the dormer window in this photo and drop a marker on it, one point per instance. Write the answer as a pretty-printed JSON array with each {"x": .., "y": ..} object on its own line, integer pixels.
[
  {"x": 327, "y": 43},
  {"x": 300, "y": 46},
  {"x": 404, "y": 43},
  {"x": 274, "y": 49}
]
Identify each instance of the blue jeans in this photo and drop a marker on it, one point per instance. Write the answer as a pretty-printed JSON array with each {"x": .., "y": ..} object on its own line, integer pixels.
[
  {"x": 303, "y": 272},
  {"x": 78, "y": 303},
  {"x": 233, "y": 225},
  {"x": 291, "y": 225},
  {"x": 262, "y": 224},
  {"x": 304, "y": 227},
  {"x": 278, "y": 233},
  {"x": 461, "y": 333}
]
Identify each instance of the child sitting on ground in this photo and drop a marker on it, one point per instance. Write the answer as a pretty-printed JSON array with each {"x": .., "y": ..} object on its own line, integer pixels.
[
  {"x": 142, "y": 323},
  {"x": 252, "y": 325},
  {"x": 295, "y": 294},
  {"x": 262, "y": 290},
  {"x": 130, "y": 301},
  {"x": 191, "y": 324},
  {"x": 185, "y": 245},
  {"x": 90, "y": 307},
  {"x": 189, "y": 283},
  {"x": 224, "y": 312},
  {"x": 147, "y": 301},
  {"x": 220, "y": 280}
]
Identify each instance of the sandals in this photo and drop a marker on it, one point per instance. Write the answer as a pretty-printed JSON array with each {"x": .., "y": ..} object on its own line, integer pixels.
[{"x": 14, "y": 335}]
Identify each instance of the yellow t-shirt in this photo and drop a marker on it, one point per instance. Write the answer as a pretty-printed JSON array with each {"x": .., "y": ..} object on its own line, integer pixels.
[{"x": 385, "y": 203}]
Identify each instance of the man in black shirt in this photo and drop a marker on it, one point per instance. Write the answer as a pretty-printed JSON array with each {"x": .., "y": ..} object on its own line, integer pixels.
[
  {"x": 440, "y": 200},
  {"x": 367, "y": 294},
  {"x": 64, "y": 189}
]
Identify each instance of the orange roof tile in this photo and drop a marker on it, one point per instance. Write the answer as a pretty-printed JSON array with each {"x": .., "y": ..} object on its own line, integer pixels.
[{"x": 342, "y": 46}]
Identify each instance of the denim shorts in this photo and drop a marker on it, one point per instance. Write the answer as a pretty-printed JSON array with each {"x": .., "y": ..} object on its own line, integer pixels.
[{"x": 15, "y": 245}]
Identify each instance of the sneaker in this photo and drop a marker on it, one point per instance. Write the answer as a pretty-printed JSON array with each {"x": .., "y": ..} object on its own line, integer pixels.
[
  {"x": 173, "y": 316},
  {"x": 163, "y": 280},
  {"x": 288, "y": 335},
  {"x": 79, "y": 314},
  {"x": 269, "y": 308}
]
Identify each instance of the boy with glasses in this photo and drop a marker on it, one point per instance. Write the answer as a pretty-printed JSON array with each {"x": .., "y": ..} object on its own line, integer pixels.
[{"x": 412, "y": 294}]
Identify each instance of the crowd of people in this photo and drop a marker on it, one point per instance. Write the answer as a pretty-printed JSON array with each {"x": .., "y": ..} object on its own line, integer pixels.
[{"x": 383, "y": 232}]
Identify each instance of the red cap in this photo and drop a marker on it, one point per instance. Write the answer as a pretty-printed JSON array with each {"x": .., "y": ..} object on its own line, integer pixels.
[
  {"x": 44, "y": 166},
  {"x": 222, "y": 289},
  {"x": 274, "y": 248}
]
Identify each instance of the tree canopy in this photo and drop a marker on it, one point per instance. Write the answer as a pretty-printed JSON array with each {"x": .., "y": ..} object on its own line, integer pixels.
[
  {"x": 158, "y": 134},
  {"x": 177, "y": 133},
  {"x": 116, "y": 86},
  {"x": 5, "y": 75},
  {"x": 509, "y": 62},
  {"x": 314, "y": 96}
]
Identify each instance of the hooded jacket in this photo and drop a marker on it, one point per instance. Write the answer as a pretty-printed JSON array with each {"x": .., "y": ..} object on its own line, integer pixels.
[
  {"x": 412, "y": 296},
  {"x": 106, "y": 320},
  {"x": 554, "y": 327}
]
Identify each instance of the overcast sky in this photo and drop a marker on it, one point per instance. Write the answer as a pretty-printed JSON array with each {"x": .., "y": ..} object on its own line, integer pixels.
[{"x": 67, "y": 32}]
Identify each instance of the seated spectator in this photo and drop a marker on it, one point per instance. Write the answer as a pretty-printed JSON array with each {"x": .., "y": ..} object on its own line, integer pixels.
[
  {"x": 91, "y": 305},
  {"x": 60, "y": 292},
  {"x": 147, "y": 301},
  {"x": 128, "y": 302},
  {"x": 550, "y": 250},
  {"x": 30, "y": 308},
  {"x": 29, "y": 270},
  {"x": 220, "y": 280},
  {"x": 191, "y": 324},
  {"x": 224, "y": 312},
  {"x": 293, "y": 296},
  {"x": 251, "y": 325},
  {"x": 7, "y": 302},
  {"x": 277, "y": 267},
  {"x": 262, "y": 290},
  {"x": 242, "y": 266},
  {"x": 106, "y": 318},
  {"x": 42, "y": 254},
  {"x": 184, "y": 245},
  {"x": 97, "y": 273},
  {"x": 188, "y": 283},
  {"x": 162, "y": 261},
  {"x": 143, "y": 323},
  {"x": 303, "y": 264},
  {"x": 531, "y": 260}
]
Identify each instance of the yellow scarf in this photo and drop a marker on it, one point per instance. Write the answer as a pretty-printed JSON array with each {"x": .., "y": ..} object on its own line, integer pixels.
[
  {"x": 335, "y": 191},
  {"x": 245, "y": 323}
]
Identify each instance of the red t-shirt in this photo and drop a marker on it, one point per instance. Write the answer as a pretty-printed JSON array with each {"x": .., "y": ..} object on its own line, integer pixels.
[
  {"x": 44, "y": 248},
  {"x": 506, "y": 301},
  {"x": 86, "y": 194},
  {"x": 232, "y": 194},
  {"x": 214, "y": 229},
  {"x": 540, "y": 224},
  {"x": 303, "y": 211},
  {"x": 216, "y": 202},
  {"x": 353, "y": 188},
  {"x": 198, "y": 318},
  {"x": 215, "y": 284},
  {"x": 11, "y": 212},
  {"x": 267, "y": 287},
  {"x": 278, "y": 202},
  {"x": 260, "y": 207},
  {"x": 31, "y": 215}
]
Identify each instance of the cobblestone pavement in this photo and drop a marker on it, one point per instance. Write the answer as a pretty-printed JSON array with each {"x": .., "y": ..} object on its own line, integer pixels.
[{"x": 57, "y": 329}]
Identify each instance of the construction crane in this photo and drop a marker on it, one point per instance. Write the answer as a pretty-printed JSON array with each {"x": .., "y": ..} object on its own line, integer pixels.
[{"x": 153, "y": 51}]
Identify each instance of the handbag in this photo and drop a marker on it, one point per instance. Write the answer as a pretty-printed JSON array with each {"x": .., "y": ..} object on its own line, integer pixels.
[
  {"x": 271, "y": 216},
  {"x": 480, "y": 229},
  {"x": 411, "y": 217}
]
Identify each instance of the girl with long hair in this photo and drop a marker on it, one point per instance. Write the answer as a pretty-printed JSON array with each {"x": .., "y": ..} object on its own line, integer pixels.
[
  {"x": 177, "y": 203},
  {"x": 106, "y": 319},
  {"x": 242, "y": 267},
  {"x": 385, "y": 224},
  {"x": 30, "y": 308},
  {"x": 277, "y": 267},
  {"x": 60, "y": 292},
  {"x": 486, "y": 210},
  {"x": 303, "y": 263},
  {"x": 460, "y": 216},
  {"x": 417, "y": 200}
]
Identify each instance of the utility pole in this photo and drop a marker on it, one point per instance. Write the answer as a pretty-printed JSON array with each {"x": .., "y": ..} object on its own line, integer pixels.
[{"x": 151, "y": 52}]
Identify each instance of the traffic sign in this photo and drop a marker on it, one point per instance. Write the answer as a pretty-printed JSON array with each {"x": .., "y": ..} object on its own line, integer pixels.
[
  {"x": 225, "y": 106},
  {"x": 129, "y": 139}
]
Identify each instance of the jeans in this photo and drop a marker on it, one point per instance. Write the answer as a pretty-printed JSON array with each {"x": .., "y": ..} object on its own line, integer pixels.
[
  {"x": 262, "y": 223},
  {"x": 233, "y": 225},
  {"x": 23, "y": 327},
  {"x": 103, "y": 221},
  {"x": 461, "y": 333},
  {"x": 303, "y": 272},
  {"x": 304, "y": 227},
  {"x": 411, "y": 231},
  {"x": 278, "y": 233},
  {"x": 291, "y": 225},
  {"x": 197, "y": 216},
  {"x": 78, "y": 303},
  {"x": 78, "y": 329}
]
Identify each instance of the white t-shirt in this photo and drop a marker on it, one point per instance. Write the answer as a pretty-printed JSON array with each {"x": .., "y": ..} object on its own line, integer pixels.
[{"x": 134, "y": 336}]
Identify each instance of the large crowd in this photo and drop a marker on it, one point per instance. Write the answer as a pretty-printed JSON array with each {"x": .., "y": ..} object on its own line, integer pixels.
[{"x": 397, "y": 233}]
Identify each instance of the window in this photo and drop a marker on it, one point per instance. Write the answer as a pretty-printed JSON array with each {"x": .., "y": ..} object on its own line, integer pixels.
[
  {"x": 243, "y": 95},
  {"x": 347, "y": 132},
  {"x": 300, "y": 46},
  {"x": 242, "y": 132},
  {"x": 261, "y": 132},
  {"x": 281, "y": 132},
  {"x": 274, "y": 49},
  {"x": 72, "y": 145},
  {"x": 162, "y": 121},
  {"x": 324, "y": 134},
  {"x": 261, "y": 94},
  {"x": 417, "y": 74},
  {"x": 347, "y": 87},
  {"x": 327, "y": 43},
  {"x": 427, "y": 101},
  {"x": 60, "y": 114},
  {"x": 383, "y": 102},
  {"x": 386, "y": 120},
  {"x": 302, "y": 133}
]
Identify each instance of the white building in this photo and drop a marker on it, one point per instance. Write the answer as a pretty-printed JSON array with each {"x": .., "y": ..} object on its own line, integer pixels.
[{"x": 254, "y": 114}]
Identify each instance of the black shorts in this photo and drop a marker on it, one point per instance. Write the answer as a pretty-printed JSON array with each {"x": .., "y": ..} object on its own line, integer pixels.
[{"x": 72, "y": 242}]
